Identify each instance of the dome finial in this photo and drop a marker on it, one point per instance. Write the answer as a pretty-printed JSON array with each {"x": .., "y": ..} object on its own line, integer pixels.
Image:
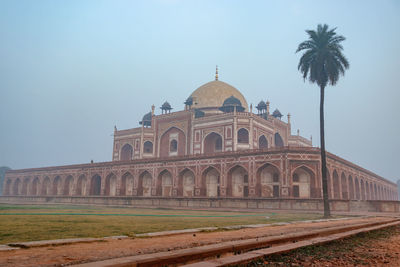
[{"x": 216, "y": 73}]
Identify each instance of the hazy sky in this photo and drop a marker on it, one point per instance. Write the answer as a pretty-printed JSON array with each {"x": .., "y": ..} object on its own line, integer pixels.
[{"x": 71, "y": 70}]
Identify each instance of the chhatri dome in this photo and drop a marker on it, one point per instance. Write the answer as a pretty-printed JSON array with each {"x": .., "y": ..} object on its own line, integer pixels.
[{"x": 211, "y": 96}]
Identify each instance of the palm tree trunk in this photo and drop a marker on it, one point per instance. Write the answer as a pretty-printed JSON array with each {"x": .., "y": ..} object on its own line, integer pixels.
[{"x": 327, "y": 211}]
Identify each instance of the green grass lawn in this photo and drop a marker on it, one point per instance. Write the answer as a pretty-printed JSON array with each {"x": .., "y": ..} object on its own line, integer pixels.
[{"x": 41, "y": 222}]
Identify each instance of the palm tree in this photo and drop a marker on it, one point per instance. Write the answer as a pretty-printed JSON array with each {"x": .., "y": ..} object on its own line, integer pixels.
[{"x": 322, "y": 63}]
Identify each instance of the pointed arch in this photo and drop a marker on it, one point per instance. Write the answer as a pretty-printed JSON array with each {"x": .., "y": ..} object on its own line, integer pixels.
[
  {"x": 278, "y": 140},
  {"x": 126, "y": 185},
  {"x": 144, "y": 184},
  {"x": 238, "y": 182},
  {"x": 111, "y": 185},
  {"x": 46, "y": 186},
  {"x": 81, "y": 186},
  {"x": 357, "y": 188},
  {"x": 148, "y": 147},
  {"x": 329, "y": 179},
  {"x": 35, "y": 187},
  {"x": 57, "y": 186},
  {"x": 268, "y": 181},
  {"x": 7, "y": 189},
  {"x": 173, "y": 142},
  {"x": 262, "y": 142},
  {"x": 243, "y": 136},
  {"x": 95, "y": 185},
  {"x": 303, "y": 183},
  {"x": 25, "y": 188},
  {"x": 68, "y": 186},
  {"x": 351, "y": 187},
  {"x": 210, "y": 182},
  {"x": 362, "y": 197},
  {"x": 126, "y": 152},
  {"x": 345, "y": 189},
  {"x": 186, "y": 183},
  {"x": 164, "y": 184},
  {"x": 17, "y": 186},
  {"x": 336, "y": 185},
  {"x": 212, "y": 143},
  {"x": 367, "y": 192}
]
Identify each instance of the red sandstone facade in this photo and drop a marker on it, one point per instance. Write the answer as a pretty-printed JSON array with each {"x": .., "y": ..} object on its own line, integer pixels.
[{"x": 210, "y": 149}]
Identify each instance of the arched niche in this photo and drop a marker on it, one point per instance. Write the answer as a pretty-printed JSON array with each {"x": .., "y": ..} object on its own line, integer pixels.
[
  {"x": 81, "y": 186},
  {"x": 25, "y": 185},
  {"x": 95, "y": 185},
  {"x": 351, "y": 187},
  {"x": 336, "y": 185},
  {"x": 362, "y": 189},
  {"x": 262, "y": 142},
  {"x": 345, "y": 191},
  {"x": 186, "y": 183},
  {"x": 46, "y": 187},
  {"x": 17, "y": 186},
  {"x": 144, "y": 184},
  {"x": 212, "y": 143},
  {"x": 57, "y": 187},
  {"x": 303, "y": 183},
  {"x": 126, "y": 152},
  {"x": 68, "y": 186},
  {"x": 111, "y": 185},
  {"x": 268, "y": 181},
  {"x": 238, "y": 182},
  {"x": 164, "y": 184},
  {"x": 126, "y": 184},
  {"x": 210, "y": 182},
  {"x": 7, "y": 189},
  {"x": 148, "y": 147},
  {"x": 167, "y": 143},
  {"x": 357, "y": 188},
  {"x": 243, "y": 136},
  {"x": 35, "y": 187},
  {"x": 278, "y": 140}
]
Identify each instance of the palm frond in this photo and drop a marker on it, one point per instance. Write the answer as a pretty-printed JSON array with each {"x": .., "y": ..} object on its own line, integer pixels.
[{"x": 322, "y": 61}]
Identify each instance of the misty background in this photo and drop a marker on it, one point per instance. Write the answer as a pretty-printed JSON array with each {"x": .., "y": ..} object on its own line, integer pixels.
[{"x": 71, "y": 70}]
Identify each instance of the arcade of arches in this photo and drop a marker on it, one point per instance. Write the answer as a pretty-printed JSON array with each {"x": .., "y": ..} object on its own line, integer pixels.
[{"x": 227, "y": 177}]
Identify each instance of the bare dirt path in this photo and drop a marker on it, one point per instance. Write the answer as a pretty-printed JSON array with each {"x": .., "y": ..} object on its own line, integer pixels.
[{"x": 87, "y": 252}]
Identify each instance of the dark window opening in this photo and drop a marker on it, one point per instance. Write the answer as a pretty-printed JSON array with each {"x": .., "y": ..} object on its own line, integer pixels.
[{"x": 173, "y": 147}]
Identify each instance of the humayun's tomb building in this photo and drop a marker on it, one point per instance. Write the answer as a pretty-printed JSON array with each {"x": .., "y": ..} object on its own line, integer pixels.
[{"x": 216, "y": 152}]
